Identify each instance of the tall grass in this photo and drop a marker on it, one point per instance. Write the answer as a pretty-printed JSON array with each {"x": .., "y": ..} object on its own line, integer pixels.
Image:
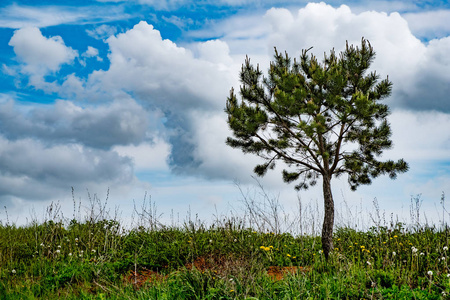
[{"x": 94, "y": 256}]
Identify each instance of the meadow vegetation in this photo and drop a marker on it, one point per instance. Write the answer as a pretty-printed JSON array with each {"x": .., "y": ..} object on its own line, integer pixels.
[{"x": 247, "y": 257}]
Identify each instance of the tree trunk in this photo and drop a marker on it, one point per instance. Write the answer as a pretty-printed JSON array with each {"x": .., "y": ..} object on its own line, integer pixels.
[{"x": 328, "y": 220}]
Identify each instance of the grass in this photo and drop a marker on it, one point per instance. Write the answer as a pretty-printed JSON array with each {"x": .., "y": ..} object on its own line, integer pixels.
[{"x": 98, "y": 258}]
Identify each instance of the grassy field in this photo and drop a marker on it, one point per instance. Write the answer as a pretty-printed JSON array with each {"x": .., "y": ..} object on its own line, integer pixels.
[{"x": 97, "y": 258}]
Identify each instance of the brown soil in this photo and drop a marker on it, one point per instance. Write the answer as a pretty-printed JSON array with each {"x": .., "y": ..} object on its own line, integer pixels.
[
  {"x": 278, "y": 273},
  {"x": 220, "y": 265}
]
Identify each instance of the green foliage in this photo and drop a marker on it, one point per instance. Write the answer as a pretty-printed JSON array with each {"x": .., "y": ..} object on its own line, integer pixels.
[
  {"x": 382, "y": 263},
  {"x": 321, "y": 119}
]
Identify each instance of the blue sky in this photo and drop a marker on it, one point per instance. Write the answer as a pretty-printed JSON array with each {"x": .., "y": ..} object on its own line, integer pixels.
[{"x": 129, "y": 96}]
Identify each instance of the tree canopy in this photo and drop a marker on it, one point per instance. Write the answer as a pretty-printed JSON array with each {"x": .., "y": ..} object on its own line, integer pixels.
[{"x": 322, "y": 119}]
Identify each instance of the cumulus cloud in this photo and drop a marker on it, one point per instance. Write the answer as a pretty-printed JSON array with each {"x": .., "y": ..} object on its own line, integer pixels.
[
  {"x": 122, "y": 122},
  {"x": 39, "y": 55},
  {"x": 34, "y": 171},
  {"x": 170, "y": 79},
  {"x": 430, "y": 24},
  {"x": 416, "y": 69}
]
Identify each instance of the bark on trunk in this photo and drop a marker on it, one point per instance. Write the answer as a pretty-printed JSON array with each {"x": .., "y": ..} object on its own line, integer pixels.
[{"x": 328, "y": 221}]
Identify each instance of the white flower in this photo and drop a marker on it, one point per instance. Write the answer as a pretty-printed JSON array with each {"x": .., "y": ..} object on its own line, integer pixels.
[
  {"x": 414, "y": 249},
  {"x": 93, "y": 250},
  {"x": 368, "y": 262},
  {"x": 235, "y": 240},
  {"x": 76, "y": 239},
  {"x": 70, "y": 254},
  {"x": 422, "y": 254},
  {"x": 42, "y": 245},
  {"x": 58, "y": 251},
  {"x": 448, "y": 275},
  {"x": 320, "y": 251},
  {"x": 59, "y": 246},
  {"x": 394, "y": 254},
  {"x": 445, "y": 248},
  {"x": 430, "y": 273},
  {"x": 13, "y": 271},
  {"x": 443, "y": 258}
]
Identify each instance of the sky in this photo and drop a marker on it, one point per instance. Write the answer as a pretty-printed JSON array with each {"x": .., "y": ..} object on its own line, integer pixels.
[{"x": 124, "y": 101}]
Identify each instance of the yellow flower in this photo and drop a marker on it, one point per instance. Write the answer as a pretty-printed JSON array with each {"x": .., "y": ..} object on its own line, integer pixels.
[
  {"x": 395, "y": 236},
  {"x": 362, "y": 247},
  {"x": 288, "y": 255}
]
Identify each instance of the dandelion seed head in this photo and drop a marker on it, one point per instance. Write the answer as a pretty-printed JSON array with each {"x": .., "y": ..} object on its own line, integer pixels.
[{"x": 430, "y": 273}]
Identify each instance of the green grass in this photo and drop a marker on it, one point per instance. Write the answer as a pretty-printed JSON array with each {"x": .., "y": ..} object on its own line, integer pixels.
[{"x": 98, "y": 258}]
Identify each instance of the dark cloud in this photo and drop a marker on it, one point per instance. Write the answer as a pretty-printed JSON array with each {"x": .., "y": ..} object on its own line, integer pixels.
[
  {"x": 121, "y": 123},
  {"x": 31, "y": 170}
]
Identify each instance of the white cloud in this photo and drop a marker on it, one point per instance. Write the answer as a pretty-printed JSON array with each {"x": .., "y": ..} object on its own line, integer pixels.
[
  {"x": 102, "y": 32},
  {"x": 20, "y": 16},
  {"x": 429, "y": 24},
  {"x": 37, "y": 51},
  {"x": 40, "y": 56}
]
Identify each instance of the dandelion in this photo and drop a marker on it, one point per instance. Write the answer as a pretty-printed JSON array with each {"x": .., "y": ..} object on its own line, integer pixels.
[
  {"x": 58, "y": 251},
  {"x": 395, "y": 236},
  {"x": 368, "y": 263},
  {"x": 13, "y": 271},
  {"x": 76, "y": 240},
  {"x": 210, "y": 241},
  {"x": 448, "y": 275},
  {"x": 422, "y": 254},
  {"x": 445, "y": 248},
  {"x": 288, "y": 255},
  {"x": 70, "y": 254},
  {"x": 42, "y": 245},
  {"x": 235, "y": 240},
  {"x": 93, "y": 250},
  {"x": 320, "y": 251},
  {"x": 414, "y": 249},
  {"x": 59, "y": 246},
  {"x": 394, "y": 254},
  {"x": 430, "y": 273},
  {"x": 443, "y": 258}
]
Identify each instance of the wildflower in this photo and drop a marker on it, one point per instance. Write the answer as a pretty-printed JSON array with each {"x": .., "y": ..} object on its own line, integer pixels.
[
  {"x": 235, "y": 240},
  {"x": 76, "y": 240},
  {"x": 368, "y": 262},
  {"x": 448, "y": 275},
  {"x": 394, "y": 254},
  {"x": 13, "y": 271},
  {"x": 320, "y": 251},
  {"x": 445, "y": 248},
  {"x": 395, "y": 236},
  {"x": 430, "y": 273},
  {"x": 414, "y": 249},
  {"x": 59, "y": 246},
  {"x": 70, "y": 254},
  {"x": 422, "y": 254},
  {"x": 58, "y": 251},
  {"x": 288, "y": 255},
  {"x": 443, "y": 258},
  {"x": 210, "y": 241},
  {"x": 362, "y": 247},
  {"x": 231, "y": 279},
  {"x": 42, "y": 245},
  {"x": 93, "y": 250}
]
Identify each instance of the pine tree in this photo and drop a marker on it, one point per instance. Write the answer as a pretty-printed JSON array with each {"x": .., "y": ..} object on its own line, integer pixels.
[{"x": 321, "y": 119}]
